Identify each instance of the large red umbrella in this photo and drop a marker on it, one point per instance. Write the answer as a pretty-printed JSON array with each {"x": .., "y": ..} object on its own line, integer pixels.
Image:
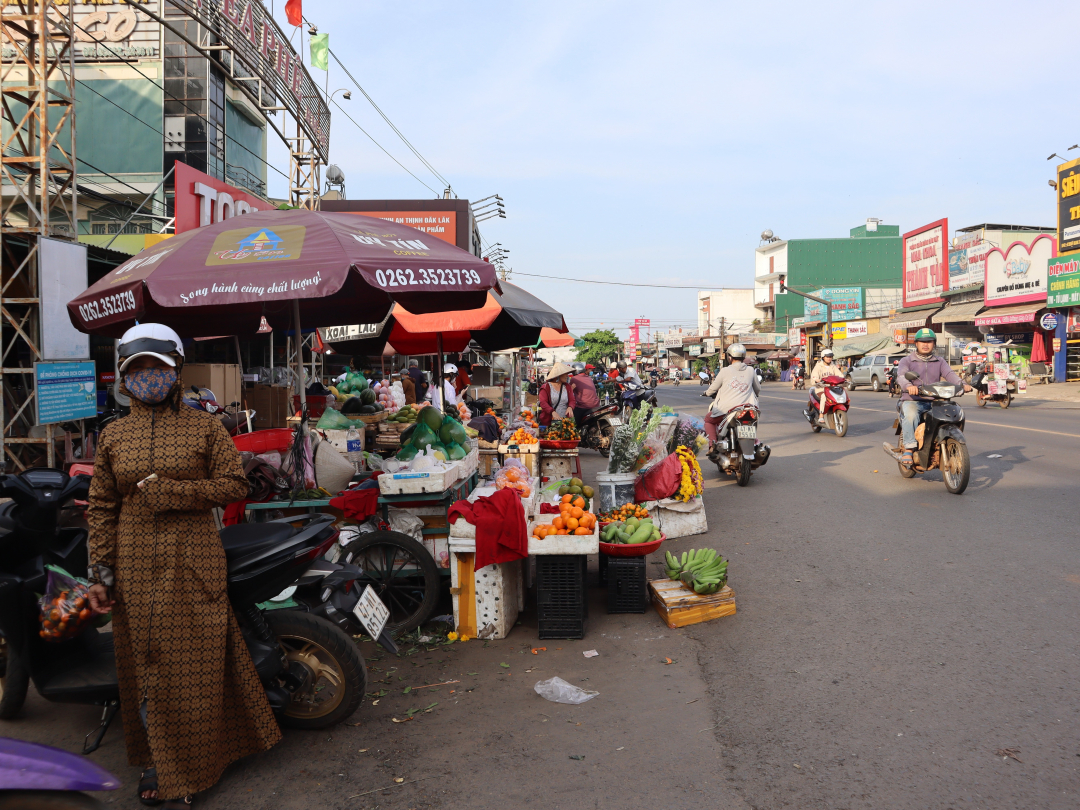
[{"x": 333, "y": 268}]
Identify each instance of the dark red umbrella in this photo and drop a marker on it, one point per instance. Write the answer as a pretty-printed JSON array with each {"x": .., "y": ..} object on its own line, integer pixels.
[{"x": 339, "y": 268}]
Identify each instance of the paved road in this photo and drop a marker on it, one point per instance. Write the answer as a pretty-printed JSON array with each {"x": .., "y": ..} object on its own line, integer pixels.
[{"x": 892, "y": 637}]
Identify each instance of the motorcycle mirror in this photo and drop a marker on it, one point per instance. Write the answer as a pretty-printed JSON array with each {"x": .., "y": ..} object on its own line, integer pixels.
[
  {"x": 971, "y": 368},
  {"x": 911, "y": 375}
]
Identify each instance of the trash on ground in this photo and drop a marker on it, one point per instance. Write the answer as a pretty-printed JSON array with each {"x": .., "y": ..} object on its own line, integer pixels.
[
  {"x": 578, "y": 758},
  {"x": 504, "y": 665},
  {"x": 535, "y": 650},
  {"x": 994, "y": 455},
  {"x": 559, "y": 691},
  {"x": 1007, "y": 753},
  {"x": 590, "y": 653}
]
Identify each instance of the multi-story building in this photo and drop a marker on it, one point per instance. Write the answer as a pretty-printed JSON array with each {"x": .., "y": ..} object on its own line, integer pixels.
[{"x": 732, "y": 306}]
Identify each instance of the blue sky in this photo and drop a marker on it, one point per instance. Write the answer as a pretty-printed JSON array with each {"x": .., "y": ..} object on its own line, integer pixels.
[{"x": 652, "y": 143}]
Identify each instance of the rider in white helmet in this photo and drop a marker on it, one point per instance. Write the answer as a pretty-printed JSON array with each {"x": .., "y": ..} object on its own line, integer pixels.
[
  {"x": 734, "y": 385},
  {"x": 826, "y": 367},
  {"x": 449, "y": 394}
]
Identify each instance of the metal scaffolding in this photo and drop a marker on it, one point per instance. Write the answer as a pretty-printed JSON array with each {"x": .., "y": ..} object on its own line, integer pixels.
[
  {"x": 304, "y": 184},
  {"x": 37, "y": 94}
]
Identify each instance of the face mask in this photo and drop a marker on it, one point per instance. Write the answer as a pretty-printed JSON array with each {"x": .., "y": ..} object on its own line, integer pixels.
[{"x": 150, "y": 385}]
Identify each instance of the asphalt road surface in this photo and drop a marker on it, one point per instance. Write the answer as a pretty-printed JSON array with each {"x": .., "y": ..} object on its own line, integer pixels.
[{"x": 893, "y": 639}]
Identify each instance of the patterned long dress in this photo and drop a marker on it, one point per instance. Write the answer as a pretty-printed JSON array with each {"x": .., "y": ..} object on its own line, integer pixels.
[{"x": 178, "y": 646}]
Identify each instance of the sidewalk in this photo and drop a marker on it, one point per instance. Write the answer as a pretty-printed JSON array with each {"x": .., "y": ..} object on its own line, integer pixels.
[{"x": 1054, "y": 392}]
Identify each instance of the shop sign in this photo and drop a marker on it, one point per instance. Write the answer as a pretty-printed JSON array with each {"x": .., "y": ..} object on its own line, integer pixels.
[
  {"x": 710, "y": 345},
  {"x": 926, "y": 273},
  {"x": 105, "y": 31},
  {"x": 642, "y": 327},
  {"x": 1018, "y": 273},
  {"x": 65, "y": 391},
  {"x": 756, "y": 338},
  {"x": 203, "y": 200},
  {"x": 695, "y": 349},
  {"x": 857, "y": 329},
  {"x": 839, "y": 331},
  {"x": 1069, "y": 206},
  {"x": 255, "y": 47},
  {"x": 1049, "y": 321},
  {"x": 900, "y": 336},
  {"x": 1057, "y": 345},
  {"x": 1063, "y": 281},
  {"x": 673, "y": 340},
  {"x": 967, "y": 259},
  {"x": 844, "y": 302},
  {"x": 1074, "y": 321},
  {"x": 797, "y": 322},
  {"x": 330, "y": 334},
  {"x": 1001, "y": 338}
]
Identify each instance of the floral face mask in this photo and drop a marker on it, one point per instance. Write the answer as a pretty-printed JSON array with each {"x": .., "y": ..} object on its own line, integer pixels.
[{"x": 150, "y": 385}]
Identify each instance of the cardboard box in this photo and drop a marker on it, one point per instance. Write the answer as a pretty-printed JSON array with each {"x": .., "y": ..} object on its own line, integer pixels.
[
  {"x": 221, "y": 378},
  {"x": 270, "y": 403}
]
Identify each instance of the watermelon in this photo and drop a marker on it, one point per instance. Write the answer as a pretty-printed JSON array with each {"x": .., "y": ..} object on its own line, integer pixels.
[
  {"x": 352, "y": 405},
  {"x": 367, "y": 396}
]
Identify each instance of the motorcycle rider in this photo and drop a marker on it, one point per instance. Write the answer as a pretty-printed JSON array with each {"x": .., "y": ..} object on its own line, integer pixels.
[
  {"x": 825, "y": 367},
  {"x": 930, "y": 369},
  {"x": 585, "y": 396},
  {"x": 734, "y": 385},
  {"x": 629, "y": 375},
  {"x": 796, "y": 372}
]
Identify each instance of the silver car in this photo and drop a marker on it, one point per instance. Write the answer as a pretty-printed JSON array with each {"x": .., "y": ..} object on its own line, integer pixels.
[{"x": 870, "y": 370}]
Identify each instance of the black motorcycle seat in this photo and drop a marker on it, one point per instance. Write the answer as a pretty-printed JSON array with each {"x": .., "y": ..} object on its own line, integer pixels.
[
  {"x": 244, "y": 538},
  {"x": 7, "y": 522},
  {"x": 594, "y": 411}
]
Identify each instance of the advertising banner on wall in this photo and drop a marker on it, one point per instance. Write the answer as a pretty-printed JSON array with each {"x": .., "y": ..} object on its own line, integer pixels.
[
  {"x": 967, "y": 259},
  {"x": 926, "y": 273},
  {"x": 1017, "y": 274},
  {"x": 203, "y": 200},
  {"x": 105, "y": 31},
  {"x": 1063, "y": 282},
  {"x": 673, "y": 340},
  {"x": 794, "y": 337},
  {"x": 1069, "y": 206},
  {"x": 844, "y": 302}
]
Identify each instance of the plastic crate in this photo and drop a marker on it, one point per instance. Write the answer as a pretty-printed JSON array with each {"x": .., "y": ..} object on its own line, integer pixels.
[
  {"x": 264, "y": 441},
  {"x": 316, "y": 404},
  {"x": 627, "y": 588},
  {"x": 562, "y": 607}
]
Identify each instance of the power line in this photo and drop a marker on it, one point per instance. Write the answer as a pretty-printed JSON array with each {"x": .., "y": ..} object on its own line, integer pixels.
[
  {"x": 399, "y": 133},
  {"x": 617, "y": 283},
  {"x": 398, "y": 162}
]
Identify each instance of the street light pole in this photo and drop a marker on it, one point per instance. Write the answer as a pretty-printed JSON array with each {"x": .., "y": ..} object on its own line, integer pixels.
[{"x": 828, "y": 313}]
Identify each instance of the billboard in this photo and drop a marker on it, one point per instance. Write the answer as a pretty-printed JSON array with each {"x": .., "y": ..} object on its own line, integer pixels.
[
  {"x": 967, "y": 259},
  {"x": 1069, "y": 206},
  {"x": 1017, "y": 274},
  {"x": 258, "y": 54},
  {"x": 844, "y": 302},
  {"x": 1063, "y": 282},
  {"x": 641, "y": 325},
  {"x": 61, "y": 269},
  {"x": 203, "y": 200},
  {"x": 106, "y": 31},
  {"x": 447, "y": 220},
  {"x": 673, "y": 340},
  {"x": 926, "y": 273},
  {"x": 440, "y": 224}
]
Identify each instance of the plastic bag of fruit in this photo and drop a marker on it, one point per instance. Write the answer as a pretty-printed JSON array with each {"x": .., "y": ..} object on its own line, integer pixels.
[
  {"x": 514, "y": 475},
  {"x": 65, "y": 607}
]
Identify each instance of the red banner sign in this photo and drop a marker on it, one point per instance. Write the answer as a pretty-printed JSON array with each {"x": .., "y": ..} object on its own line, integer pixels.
[{"x": 204, "y": 200}]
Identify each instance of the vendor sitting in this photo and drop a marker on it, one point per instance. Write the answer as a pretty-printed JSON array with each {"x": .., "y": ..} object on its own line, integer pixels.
[{"x": 555, "y": 397}]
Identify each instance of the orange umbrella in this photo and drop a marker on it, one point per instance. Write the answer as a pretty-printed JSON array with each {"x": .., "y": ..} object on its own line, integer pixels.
[{"x": 550, "y": 339}]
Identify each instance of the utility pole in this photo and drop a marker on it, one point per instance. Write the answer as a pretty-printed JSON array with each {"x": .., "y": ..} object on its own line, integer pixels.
[
  {"x": 828, "y": 316},
  {"x": 723, "y": 341}
]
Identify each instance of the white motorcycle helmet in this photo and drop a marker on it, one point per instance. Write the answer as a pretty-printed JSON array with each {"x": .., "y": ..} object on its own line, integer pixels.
[
  {"x": 449, "y": 368},
  {"x": 737, "y": 350},
  {"x": 150, "y": 340}
]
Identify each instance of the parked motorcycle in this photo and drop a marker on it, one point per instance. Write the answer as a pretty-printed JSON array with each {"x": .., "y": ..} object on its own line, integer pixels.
[
  {"x": 312, "y": 671},
  {"x": 940, "y": 435},
  {"x": 737, "y": 450},
  {"x": 233, "y": 418},
  {"x": 40, "y": 777},
  {"x": 836, "y": 406},
  {"x": 1003, "y": 390},
  {"x": 598, "y": 428}
]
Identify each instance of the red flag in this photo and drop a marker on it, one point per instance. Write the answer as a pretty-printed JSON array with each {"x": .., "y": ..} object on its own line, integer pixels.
[{"x": 294, "y": 12}]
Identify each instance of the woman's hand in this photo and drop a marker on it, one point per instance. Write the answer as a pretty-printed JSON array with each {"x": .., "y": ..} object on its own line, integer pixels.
[{"x": 100, "y": 603}]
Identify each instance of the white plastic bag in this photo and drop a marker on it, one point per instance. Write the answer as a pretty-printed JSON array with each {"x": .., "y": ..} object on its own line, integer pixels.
[
  {"x": 559, "y": 691},
  {"x": 398, "y": 395},
  {"x": 407, "y": 523}
]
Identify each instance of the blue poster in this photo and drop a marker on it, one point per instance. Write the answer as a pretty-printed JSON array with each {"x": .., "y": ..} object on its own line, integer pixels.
[
  {"x": 65, "y": 391},
  {"x": 846, "y": 304}
]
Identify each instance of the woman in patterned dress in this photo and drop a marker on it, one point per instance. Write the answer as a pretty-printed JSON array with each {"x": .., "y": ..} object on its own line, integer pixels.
[{"x": 190, "y": 697}]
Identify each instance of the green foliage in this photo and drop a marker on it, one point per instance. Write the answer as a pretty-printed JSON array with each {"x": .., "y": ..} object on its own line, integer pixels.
[
  {"x": 600, "y": 345},
  {"x": 698, "y": 366}
]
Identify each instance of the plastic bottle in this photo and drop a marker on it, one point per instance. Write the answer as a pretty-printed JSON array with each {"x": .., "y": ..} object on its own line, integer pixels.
[{"x": 354, "y": 444}]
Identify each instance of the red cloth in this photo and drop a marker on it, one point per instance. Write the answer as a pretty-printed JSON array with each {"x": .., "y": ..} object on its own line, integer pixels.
[
  {"x": 1040, "y": 351},
  {"x": 357, "y": 504},
  {"x": 662, "y": 481},
  {"x": 500, "y": 527},
  {"x": 294, "y": 12},
  {"x": 549, "y": 509},
  {"x": 234, "y": 512}
]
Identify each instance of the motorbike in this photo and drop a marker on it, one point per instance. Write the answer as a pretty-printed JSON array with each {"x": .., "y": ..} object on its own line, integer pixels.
[
  {"x": 631, "y": 396},
  {"x": 737, "y": 450},
  {"x": 798, "y": 378},
  {"x": 836, "y": 406},
  {"x": 598, "y": 428},
  {"x": 891, "y": 385},
  {"x": 987, "y": 390},
  {"x": 677, "y": 379},
  {"x": 940, "y": 434},
  {"x": 312, "y": 671},
  {"x": 703, "y": 379},
  {"x": 234, "y": 419},
  {"x": 40, "y": 777}
]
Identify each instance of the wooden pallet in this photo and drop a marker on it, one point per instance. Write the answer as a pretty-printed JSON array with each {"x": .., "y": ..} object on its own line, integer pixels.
[{"x": 679, "y": 606}]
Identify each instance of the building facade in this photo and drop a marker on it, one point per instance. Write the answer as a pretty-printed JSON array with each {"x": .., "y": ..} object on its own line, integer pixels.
[{"x": 732, "y": 307}]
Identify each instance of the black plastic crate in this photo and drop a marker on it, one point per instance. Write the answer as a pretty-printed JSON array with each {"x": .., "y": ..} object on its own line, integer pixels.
[
  {"x": 561, "y": 601},
  {"x": 627, "y": 588}
]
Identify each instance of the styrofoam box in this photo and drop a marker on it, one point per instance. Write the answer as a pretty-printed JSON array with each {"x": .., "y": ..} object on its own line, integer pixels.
[
  {"x": 407, "y": 482},
  {"x": 471, "y": 463},
  {"x": 499, "y": 594},
  {"x": 564, "y": 543}
]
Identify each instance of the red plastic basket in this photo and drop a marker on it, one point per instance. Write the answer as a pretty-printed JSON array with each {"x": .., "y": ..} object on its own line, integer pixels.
[
  {"x": 264, "y": 441},
  {"x": 559, "y": 444},
  {"x": 628, "y": 550}
]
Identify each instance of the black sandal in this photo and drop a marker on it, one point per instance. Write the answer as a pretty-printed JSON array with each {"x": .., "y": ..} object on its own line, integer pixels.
[{"x": 148, "y": 782}]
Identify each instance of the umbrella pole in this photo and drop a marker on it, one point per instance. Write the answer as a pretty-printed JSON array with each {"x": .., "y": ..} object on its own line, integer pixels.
[
  {"x": 438, "y": 369},
  {"x": 299, "y": 357}
]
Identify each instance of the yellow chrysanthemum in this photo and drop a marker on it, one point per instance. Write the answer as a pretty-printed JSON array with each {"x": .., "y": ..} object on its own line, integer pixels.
[{"x": 452, "y": 636}]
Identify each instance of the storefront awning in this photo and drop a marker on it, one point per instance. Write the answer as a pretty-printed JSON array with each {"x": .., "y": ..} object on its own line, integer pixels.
[
  {"x": 959, "y": 313},
  {"x": 913, "y": 320},
  {"x": 1018, "y": 313},
  {"x": 867, "y": 344}
]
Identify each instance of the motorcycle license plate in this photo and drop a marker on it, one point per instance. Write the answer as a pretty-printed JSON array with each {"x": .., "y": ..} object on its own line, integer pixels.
[
  {"x": 746, "y": 431},
  {"x": 371, "y": 612},
  {"x": 615, "y": 420}
]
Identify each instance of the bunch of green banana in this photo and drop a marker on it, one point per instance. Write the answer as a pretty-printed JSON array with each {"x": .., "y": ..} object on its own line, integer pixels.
[{"x": 702, "y": 569}]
